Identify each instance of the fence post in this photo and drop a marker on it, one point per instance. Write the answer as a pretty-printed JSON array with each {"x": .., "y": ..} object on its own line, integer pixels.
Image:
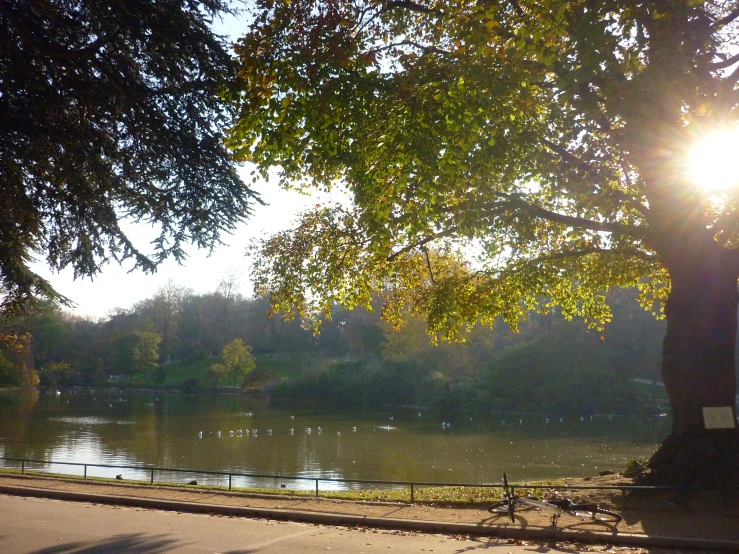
[
  {"x": 316, "y": 487},
  {"x": 229, "y": 481},
  {"x": 23, "y": 467},
  {"x": 152, "y": 476},
  {"x": 623, "y": 499},
  {"x": 411, "y": 493},
  {"x": 85, "y": 475}
]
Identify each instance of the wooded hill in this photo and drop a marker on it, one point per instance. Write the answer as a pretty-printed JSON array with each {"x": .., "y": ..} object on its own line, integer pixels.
[{"x": 174, "y": 337}]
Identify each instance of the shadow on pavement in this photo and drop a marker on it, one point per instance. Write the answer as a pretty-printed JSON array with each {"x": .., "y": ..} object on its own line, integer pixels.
[
  {"x": 701, "y": 515},
  {"x": 125, "y": 544}
]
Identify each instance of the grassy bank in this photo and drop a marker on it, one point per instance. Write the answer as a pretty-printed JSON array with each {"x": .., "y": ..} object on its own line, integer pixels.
[
  {"x": 433, "y": 495},
  {"x": 179, "y": 372}
]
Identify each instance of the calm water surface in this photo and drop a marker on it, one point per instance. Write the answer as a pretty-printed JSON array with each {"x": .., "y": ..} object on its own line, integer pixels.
[{"x": 153, "y": 429}]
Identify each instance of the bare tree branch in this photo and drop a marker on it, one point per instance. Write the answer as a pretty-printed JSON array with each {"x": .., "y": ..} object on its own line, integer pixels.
[
  {"x": 724, "y": 64},
  {"x": 733, "y": 77},
  {"x": 728, "y": 19},
  {"x": 428, "y": 265}
]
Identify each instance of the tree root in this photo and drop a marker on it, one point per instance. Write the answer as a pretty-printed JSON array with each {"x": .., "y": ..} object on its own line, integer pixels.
[{"x": 701, "y": 461}]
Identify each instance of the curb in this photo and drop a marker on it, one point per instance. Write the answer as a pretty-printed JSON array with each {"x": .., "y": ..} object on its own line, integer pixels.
[{"x": 424, "y": 526}]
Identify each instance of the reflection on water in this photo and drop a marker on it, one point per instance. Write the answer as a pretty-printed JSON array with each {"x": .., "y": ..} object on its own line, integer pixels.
[
  {"x": 243, "y": 435},
  {"x": 91, "y": 420}
]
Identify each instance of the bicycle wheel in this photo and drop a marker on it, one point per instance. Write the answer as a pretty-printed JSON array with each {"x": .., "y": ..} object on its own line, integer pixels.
[
  {"x": 594, "y": 512},
  {"x": 502, "y": 507}
]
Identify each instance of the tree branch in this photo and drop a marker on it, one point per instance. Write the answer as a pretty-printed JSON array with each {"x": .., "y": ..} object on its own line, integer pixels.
[
  {"x": 724, "y": 64},
  {"x": 516, "y": 7},
  {"x": 364, "y": 23},
  {"x": 728, "y": 19},
  {"x": 428, "y": 265},
  {"x": 733, "y": 77},
  {"x": 574, "y": 221},
  {"x": 426, "y": 49},
  {"x": 567, "y": 156},
  {"x": 49, "y": 48},
  {"x": 589, "y": 96},
  {"x": 410, "y": 6},
  {"x": 725, "y": 226},
  {"x": 633, "y": 252},
  {"x": 638, "y": 206},
  {"x": 591, "y": 172},
  {"x": 418, "y": 244}
]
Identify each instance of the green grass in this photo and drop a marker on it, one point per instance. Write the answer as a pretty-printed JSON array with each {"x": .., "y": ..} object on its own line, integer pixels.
[
  {"x": 177, "y": 372},
  {"x": 284, "y": 366}
]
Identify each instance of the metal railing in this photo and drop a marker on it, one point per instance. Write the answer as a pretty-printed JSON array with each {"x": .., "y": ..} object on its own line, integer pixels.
[{"x": 151, "y": 471}]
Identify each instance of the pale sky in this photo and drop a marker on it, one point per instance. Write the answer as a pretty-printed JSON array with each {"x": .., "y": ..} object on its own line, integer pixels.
[{"x": 116, "y": 287}]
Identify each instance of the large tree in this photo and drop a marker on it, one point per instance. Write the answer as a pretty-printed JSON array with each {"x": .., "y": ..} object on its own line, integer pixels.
[
  {"x": 136, "y": 352},
  {"x": 546, "y": 140},
  {"x": 110, "y": 111}
]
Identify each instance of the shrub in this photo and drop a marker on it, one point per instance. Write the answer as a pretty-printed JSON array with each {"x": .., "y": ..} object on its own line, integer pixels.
[{"x": 190, "y": 386}]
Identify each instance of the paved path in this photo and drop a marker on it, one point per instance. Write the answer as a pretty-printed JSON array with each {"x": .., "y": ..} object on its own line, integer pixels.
[{"x": 42, "y": 526}]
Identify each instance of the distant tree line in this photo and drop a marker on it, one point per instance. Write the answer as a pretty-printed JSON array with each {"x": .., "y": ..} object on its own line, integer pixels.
[{"x": 550, "y": 364}]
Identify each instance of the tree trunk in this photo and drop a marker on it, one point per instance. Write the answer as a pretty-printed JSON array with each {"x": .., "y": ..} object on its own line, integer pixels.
[{"x": 698, "y": 369}]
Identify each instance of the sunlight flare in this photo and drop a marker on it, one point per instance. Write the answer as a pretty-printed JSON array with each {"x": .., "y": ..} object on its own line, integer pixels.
[{"x": 713, "y": 162}]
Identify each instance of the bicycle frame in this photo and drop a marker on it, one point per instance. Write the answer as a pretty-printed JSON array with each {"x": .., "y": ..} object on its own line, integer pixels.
[
  {"x": 558, "y": 507},
  {"x": 509, "y": 495}
]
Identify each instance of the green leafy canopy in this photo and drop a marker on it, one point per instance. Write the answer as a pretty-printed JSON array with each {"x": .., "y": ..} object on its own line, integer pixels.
[{"x": 552, "y": 136}]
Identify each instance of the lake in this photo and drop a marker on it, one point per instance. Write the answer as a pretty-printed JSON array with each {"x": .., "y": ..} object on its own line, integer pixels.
[{"x": 217, "y": 433}]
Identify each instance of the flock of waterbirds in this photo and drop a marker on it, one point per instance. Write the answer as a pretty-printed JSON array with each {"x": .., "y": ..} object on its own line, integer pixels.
[
  {"x": 291, "y": 431},
  {"x": 318, "y": 430}
]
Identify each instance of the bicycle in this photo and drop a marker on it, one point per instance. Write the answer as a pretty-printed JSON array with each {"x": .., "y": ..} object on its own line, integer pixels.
[{"x": 512, "y": 503}]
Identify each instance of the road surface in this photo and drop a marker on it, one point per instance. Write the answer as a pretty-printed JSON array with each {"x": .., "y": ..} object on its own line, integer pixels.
[{"x": 43, "y": 526}]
